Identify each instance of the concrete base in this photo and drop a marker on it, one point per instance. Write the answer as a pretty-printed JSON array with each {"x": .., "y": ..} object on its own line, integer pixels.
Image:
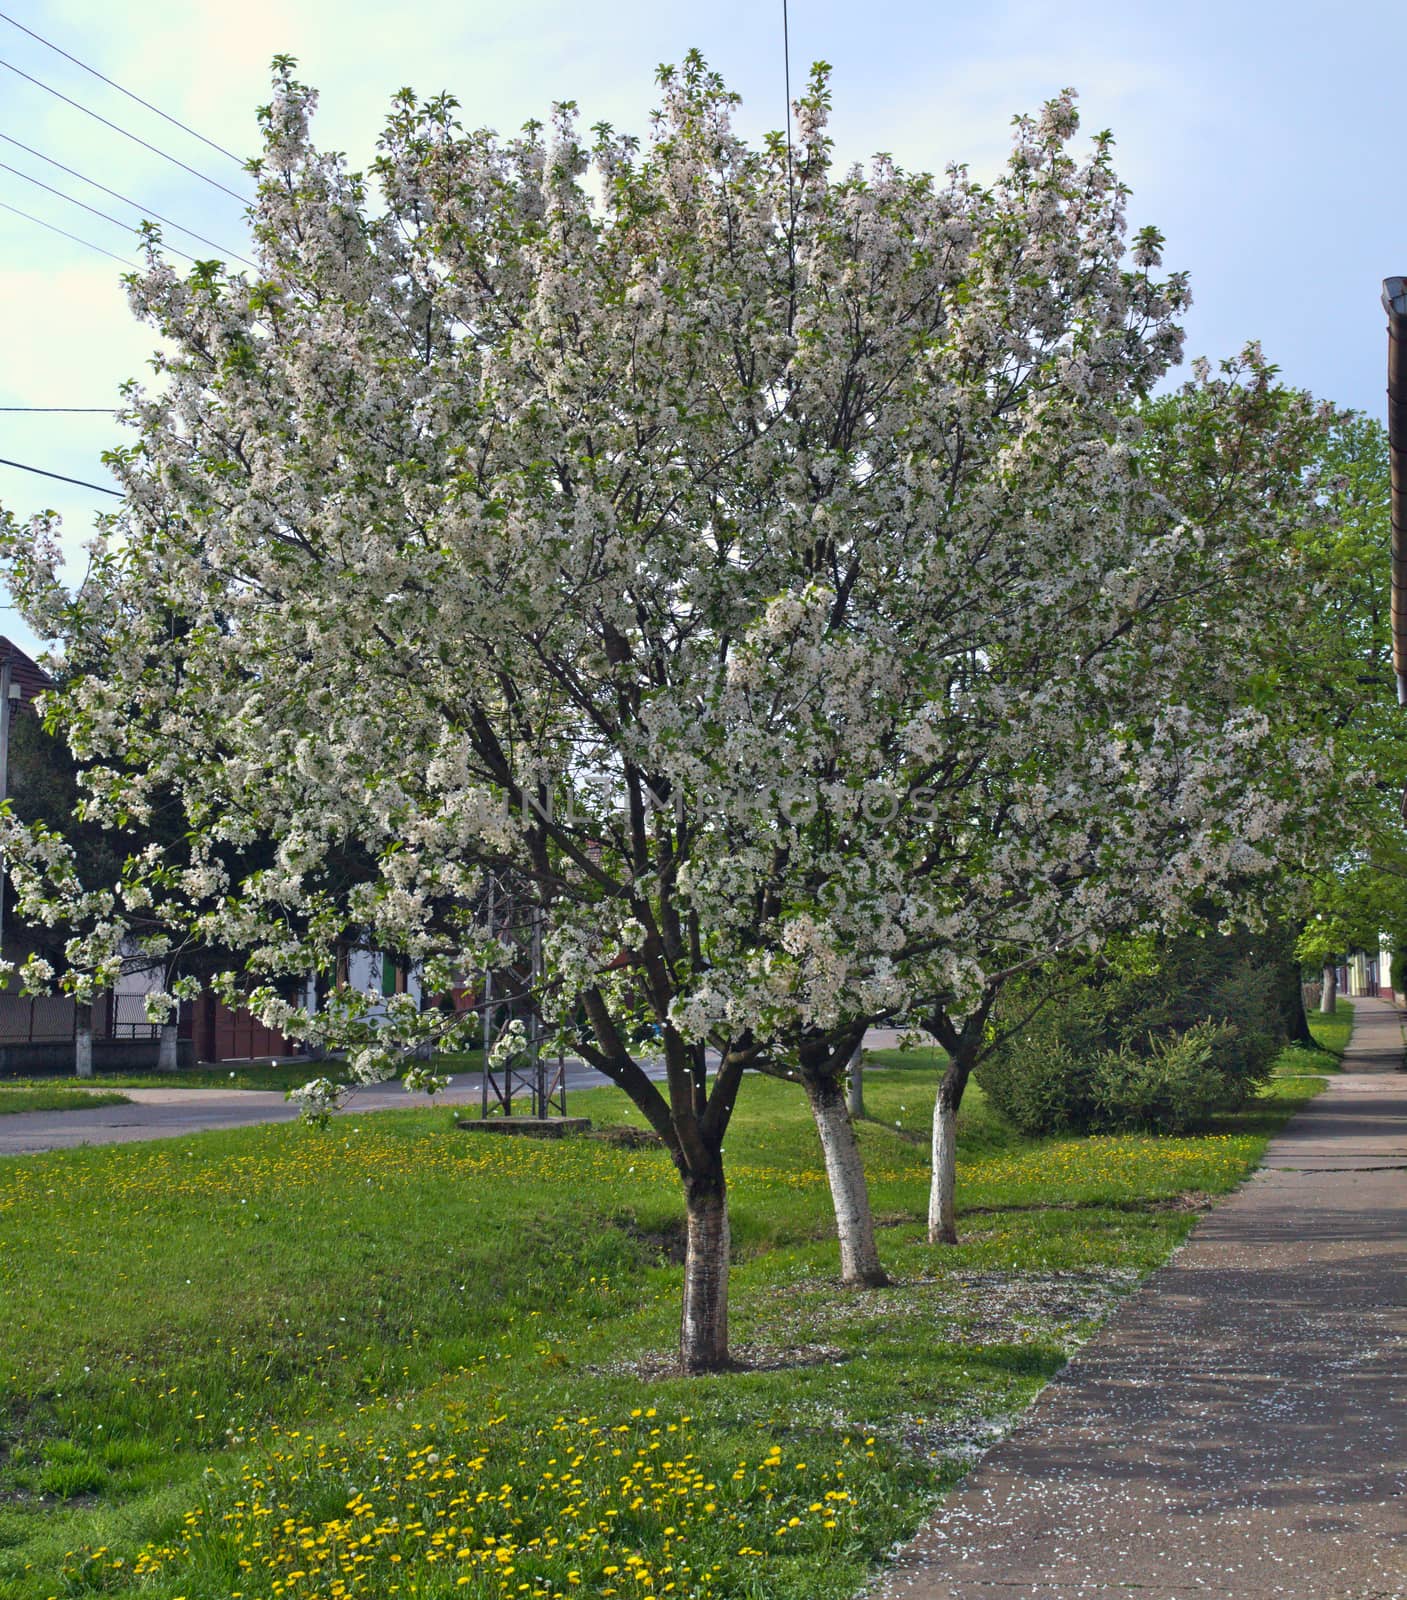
[
  {"x": 528, "y": 1127},
  {"x": 47, "y": 1057}
]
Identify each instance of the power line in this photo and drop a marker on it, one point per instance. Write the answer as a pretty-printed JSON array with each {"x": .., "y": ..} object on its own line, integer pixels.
[
  {"x": 84, "y": 206},
  {"x": 125, "y": 199},
  {"x": 81, "y": 482},
  {"x": 113, "y": 84},
  {"x": 105, "y": 411},
  {"x": 64, "y": 233},
  {"x": 156, "y": 150}
]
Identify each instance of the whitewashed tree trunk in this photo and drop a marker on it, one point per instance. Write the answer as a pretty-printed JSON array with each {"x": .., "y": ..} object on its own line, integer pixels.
[
  {"x": 855, "y": 1084},
  {"x": 942, "y": 1206},
  {"x": 1329, "y": 991},
  {"x": 166, "y": 1050},
  {"x": 703, "y": 1331},
  {"x": 942, "y": 1214},
  {"x": 83, "y": 1043},
  {"x": 850, "y": 1194}
]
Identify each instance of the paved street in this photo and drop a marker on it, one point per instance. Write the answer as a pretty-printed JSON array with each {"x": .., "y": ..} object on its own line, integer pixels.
[
  {"x": 173, "y": 1113},
  {"x": 1239, "y": 1429}
]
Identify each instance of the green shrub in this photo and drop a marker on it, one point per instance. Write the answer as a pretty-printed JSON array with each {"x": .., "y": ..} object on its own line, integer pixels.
[
  {"x": 1176, "y": 1085},
  {"x": 1247, "y": 1005},
  {"x": 1040, "y": 1085},
  {"x": 1177, "y": 1033}
]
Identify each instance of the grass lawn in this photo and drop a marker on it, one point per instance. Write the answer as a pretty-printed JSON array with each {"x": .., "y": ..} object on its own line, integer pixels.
[
  {"x": 393, "y": 1359},
  {"x": 1332, "y": 1032},
  {"x": 52, "y": 1097},
  {"x": 268, "y": 1075},
  {"x": 1331, "y": 1036}
]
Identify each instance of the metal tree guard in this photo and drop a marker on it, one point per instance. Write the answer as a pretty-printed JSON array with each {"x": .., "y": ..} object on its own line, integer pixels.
[{"x": 528, "y": 1071}]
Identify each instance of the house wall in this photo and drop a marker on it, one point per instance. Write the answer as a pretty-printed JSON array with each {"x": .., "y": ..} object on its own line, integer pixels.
[
  {"x": 1368, "y": 973},
  {"x": 373, "y": 971}
]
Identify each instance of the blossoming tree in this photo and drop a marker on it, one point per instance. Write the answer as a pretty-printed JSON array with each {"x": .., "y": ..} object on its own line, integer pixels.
[{"x": 766, "y": 565}]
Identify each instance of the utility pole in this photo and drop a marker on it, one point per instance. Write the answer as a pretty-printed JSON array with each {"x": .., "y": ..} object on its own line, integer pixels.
[
  {"x": 6, "y": 686},
  {"x": 539, "y": 1065}
]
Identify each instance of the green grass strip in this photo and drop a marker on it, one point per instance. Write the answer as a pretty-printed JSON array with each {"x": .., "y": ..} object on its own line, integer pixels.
[{"x": 50, "y": 1097}]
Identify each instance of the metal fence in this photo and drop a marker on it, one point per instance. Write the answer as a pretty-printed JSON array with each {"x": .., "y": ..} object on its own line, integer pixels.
[
  {"x": 49, "y": 1018},
  {"x": 29, "y": 1019},
  {"x": 127, "y": 1018}
]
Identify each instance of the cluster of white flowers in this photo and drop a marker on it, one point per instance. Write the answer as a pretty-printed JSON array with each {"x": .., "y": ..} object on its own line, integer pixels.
[
  {"x": 317, "y": 1099},
  {"x": 510, "y": 1045}
]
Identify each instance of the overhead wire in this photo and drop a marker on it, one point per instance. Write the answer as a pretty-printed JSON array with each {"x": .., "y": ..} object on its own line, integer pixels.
[
  {"x": 84, "y": 206},
  {"x": 125, "y": 199},
  {"x": 113, "y": 84},
  {"x": 166, "y": 155},
  {"x": 64, "y": 233},
  {"x": 105, "y": 411},
  {"x": 62, "y": 477}
]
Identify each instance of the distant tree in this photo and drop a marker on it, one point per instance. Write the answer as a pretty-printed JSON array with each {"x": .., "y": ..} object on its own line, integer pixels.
[
  {"x": 1354, "y": 908},
  {"x": 1339, "y": 664}
]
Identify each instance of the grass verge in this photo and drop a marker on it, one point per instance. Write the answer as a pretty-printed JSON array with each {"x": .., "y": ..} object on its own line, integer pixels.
[
  {"x": 276, "y": 1076},
  {"x": 1331, "y": 1036},
  {"x": 49, "y": 1097},
  {"x": 392, "y": 1359},
  {"x": 1332, "y": 1033}
]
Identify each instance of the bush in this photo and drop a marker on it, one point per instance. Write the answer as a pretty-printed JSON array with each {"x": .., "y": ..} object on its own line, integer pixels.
[
  {"x": 1247, "y": 1005},
  {"x": 1163, "y": 1043},
  {"x": 1177, "y": 1085},
  {"x": 1040, "y": 1085},
  {"x": 1177, "y": 1082}
]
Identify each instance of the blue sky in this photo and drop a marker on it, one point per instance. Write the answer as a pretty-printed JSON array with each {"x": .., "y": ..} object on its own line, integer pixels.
[{"x": 1259, "y": 137}]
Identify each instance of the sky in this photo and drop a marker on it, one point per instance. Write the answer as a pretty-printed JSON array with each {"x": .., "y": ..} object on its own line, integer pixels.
[{"x": 1258, "y": 137}]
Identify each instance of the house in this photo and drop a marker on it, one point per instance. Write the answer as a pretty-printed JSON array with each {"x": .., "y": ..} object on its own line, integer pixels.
[
  {"x": 1369, "y": 973},
  {"x": 38, "y": 1033}
]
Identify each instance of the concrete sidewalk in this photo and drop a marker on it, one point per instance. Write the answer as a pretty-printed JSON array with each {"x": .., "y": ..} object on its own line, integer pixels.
[{"x": 1239, "y": 1429}]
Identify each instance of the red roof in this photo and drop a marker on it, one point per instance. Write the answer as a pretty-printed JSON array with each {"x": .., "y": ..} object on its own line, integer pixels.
[{"x": 30, "y": 676}]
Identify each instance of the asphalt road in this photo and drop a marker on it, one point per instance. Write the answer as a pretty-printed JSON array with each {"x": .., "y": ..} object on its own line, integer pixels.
[{"x": 173, "y": 1113}]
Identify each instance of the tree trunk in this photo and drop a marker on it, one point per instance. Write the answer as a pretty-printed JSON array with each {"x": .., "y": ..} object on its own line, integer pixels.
[
  {"x": 855, "y": 1084},
  {"x": 1278, "y": 942},
  {"x": 1299, "y": 1022},
  {"x": 850, "y": 1194},
  {"x": 942, "y": 1211},
  {"x": 1296, "y": 1022},
  {"x": 166, "y": 1050},
  {"x": 703, "y": 1333},
  {"x": 1329, "y": 994},
  {"x": 83, "y": 1042}
]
